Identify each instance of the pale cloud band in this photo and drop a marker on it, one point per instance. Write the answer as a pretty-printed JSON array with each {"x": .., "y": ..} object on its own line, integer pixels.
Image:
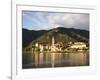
[{"x": 47, "y": 20}]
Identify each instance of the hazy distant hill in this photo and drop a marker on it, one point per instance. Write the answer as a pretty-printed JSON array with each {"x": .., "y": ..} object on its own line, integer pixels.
[
  {"x": 61, "y": 34},
  {"x": 30, "y": 35}
]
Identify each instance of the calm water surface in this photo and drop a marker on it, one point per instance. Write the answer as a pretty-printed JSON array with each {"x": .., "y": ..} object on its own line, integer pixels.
[{"x": 45, "y": 60}]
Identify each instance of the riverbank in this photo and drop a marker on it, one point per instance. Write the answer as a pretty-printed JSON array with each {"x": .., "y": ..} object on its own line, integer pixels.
[{"x": 83, "y": 51}]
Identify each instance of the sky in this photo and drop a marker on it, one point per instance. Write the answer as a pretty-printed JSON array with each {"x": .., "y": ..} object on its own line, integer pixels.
[{"x": 35, "y": 20}]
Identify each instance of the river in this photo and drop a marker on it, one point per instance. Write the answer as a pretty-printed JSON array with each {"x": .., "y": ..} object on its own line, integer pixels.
[{"x": 47, "y": 60}]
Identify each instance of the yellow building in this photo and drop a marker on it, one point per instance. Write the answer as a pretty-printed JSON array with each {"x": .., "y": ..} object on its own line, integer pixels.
[{"x": 79, "y": 45}]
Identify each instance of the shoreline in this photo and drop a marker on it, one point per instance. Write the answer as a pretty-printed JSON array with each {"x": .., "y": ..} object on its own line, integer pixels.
[{"x": 84, "y": 51}]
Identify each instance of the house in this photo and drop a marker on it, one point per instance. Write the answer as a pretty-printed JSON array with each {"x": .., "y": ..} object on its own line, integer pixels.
[
  {"x": 41, "y": 47},
  {"x": 79, "y": 45},
  {"x": 36, "y": 45}
]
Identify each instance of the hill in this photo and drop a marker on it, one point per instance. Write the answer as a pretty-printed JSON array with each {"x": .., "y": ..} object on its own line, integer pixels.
[{"x": 61, "y": 34}]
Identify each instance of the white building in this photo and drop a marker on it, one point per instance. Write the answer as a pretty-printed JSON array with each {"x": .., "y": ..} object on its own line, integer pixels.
[
  {"x": 41, "y": 47},
  {"x": 36, "y": 45},
  {"x": 79, "y": 45},
  {"x": 53, "y": 47}
]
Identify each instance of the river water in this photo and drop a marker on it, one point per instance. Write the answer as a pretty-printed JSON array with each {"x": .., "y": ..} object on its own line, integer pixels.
[{"x": 47, "y": 60}]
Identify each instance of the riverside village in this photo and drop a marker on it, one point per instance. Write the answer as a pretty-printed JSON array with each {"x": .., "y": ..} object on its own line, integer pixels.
[{"x": 58, "y": 47}]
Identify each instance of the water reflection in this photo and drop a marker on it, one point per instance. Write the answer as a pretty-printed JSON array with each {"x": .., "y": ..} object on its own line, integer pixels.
[{"x": 43, "y": 60}]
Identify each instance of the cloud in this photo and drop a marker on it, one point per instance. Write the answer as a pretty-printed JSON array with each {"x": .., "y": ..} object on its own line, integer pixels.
[
  {"x": 49, "y": 20},
  {"x": 70, "y": 20}
]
